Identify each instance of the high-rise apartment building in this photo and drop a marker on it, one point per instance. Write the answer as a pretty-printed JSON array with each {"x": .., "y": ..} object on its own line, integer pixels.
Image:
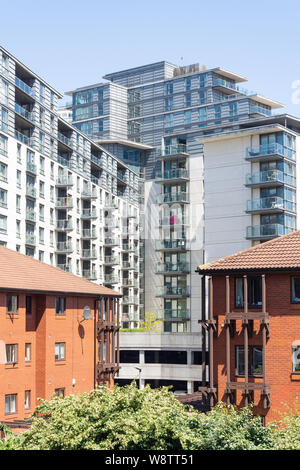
[
  {"x": 219, "y": 176},
  {"x": 64, "y": 199}
]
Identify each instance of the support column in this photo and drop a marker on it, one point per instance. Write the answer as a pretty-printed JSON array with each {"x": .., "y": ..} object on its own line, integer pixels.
[
  {"x": 245, "y": 320},
  {"x": 228, "y": 335},
  {"x": 211, "y": 342}
]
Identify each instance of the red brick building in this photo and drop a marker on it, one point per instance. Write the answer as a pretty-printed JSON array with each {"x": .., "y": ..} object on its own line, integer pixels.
[
  {"x": 253, "y": 325},
  {"x": 58, "y": 334}
]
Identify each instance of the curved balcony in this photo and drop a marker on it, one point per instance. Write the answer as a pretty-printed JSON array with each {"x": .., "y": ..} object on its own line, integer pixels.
[
  {"x": 273, "y": 151},
  {"x": 265, "y": 232},
  {"x": 170, "y": 198},
  {"x": 173, "y": 291},
  {"x": 172, "y": 245},
  {"x": 269, "y": 204},
  {"x": 172, "y": 268}
]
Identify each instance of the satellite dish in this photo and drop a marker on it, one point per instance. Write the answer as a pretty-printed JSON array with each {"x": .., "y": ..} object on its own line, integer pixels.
[{"x": 87, "y": 312}]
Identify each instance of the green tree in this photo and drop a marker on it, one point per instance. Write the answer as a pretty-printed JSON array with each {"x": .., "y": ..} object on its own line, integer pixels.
[
  {"x": 127, "y": 418},
  {"x": 151, "y": 323}
]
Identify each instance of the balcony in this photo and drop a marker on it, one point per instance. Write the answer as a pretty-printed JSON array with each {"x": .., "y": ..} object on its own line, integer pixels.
[
  {"x": 173, "y": 291},
  {"x": 169, "y": 198},
  {"x": 171, "y": 152},
  {"x": 24, "y": 87},
  {"x": 111, "y": 279},
  {"x": 111, "y": 223},
  {"x": 126, "y": 282},
  {"x": 112, "y": 205},
  {"x": 88, "y": 234},
  {"x": 172, "y": 245},
  {"x": 65, "y": 267},
  {"x": 24, "y": 113},
  {"x": 269, "y": 204},
  {"x": 89, "y": 193},
  {"x": 64, "y": 247},
  {"x": 30, "y": 239},
  {"x": 269, "y": 152},
  {"x": 64, "y": 180},
  {"x": 64, "y": 139},
  {"x": 89, "y": 253},
  {"x": 31, "y": 168},
  {"x": 129, "y": 265},
  {"x": 64, "y": 202},
  {"x": 63, "y": 225},
  {"x": 128, "y": 248},
  {"x": 90, "y": 274},
  {"x": 225, "y": 86},
  {"x": 30, "y": 191},
  {"x": 88, "y": 214},
  {"x": 64, "y": 161},
  {"x": 173, "y": 314},
  {"x": 23, "y": 138},
  {"x": 133, "y": 300},
  {"x": 265, "y": 178},
  {"x": 172, "y": 176},
  {"x": 172, "y": 268},
  {"x": 173, "y": 221},
  {"x": 111, "y": 241},
  {"x": 265, "y": 232},
  {"x": 101, "y": 163},
  {"x": 269, "y": 178},
  {"x": 30, "y": 215},
  {"x": 111, "y": 260}
]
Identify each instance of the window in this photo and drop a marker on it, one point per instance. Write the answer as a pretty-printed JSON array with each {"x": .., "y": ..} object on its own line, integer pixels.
[
  {"x": 60, "y": 305},
  {"x": 168, "y": 88},
  {"x": 188, "y": 100},
  {"x": 27, "y": 352},
  {"x": 18, "y": 228},
  {"x": 296, "y": 358},
  {"x": 295, "y": 289},
  {"x": 28, "y": 305},
  {"x": 129, "y": 356},
  {"x": 202, "y": 116},
  {"x": 41, "y": 212},
  {"x": 27, "y": 400},
  {"x": 18, "y": 203},
  {"x": 11, "y": 353},
  {"x": 168, "y": 104},
  {"x": 202, "y": 80},
  {"x": 10, "y": 404},
  {"x": 254, "y": 292},
  {"x": 187, "y": 118},
  {"x": 3, "y": 172},
  {"x": 41, "y": 256},
  {"x": 165, "y": 357},
  {"x": 42, "y": 165},
  {"x": 168, "y": 120},
  {"x": 60, "y": 392},
  {"x": 3, "y": 145},
  {"x": 12, "y": 304},
  {"x": 187, "y": 84},
  {"x": 41, "y": 235},
  {"x": 42, "y": 189},
  {"x": 202, "y": 97},
  {"x": 3, "y": 198},
  {"x": 60, "y": 350},
  {"x": 254, "y": 360}
]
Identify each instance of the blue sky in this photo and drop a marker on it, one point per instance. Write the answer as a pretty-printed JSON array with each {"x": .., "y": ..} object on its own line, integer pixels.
[{"x": 73, "y": 43}]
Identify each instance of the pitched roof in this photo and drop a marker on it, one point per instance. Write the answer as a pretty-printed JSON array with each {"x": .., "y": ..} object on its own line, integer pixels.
[
  {"x": 20, "y": 272},
  {"x": 279, "y": 254}
]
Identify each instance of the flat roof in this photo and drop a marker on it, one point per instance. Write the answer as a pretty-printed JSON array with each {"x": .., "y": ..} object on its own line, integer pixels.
[
  {"x": 231, "y": 75},
  {"x": 128, "y": 143}
]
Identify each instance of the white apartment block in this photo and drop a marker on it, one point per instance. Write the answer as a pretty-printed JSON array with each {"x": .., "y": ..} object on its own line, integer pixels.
[{"x": 64, "y": 199}]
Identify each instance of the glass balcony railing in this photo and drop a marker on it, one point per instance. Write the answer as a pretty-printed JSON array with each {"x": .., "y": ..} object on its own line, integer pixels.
[
  {"x": 176, "y": 245},
  {"x": 111, "y": 279},
  {"x": 263, "y": 151},
  {"x": 88, "y": 233},
  {"x": 111, "y": 223},
  {"x": 24, "y": 87},
  {"x": 31, "y": 167},
  {"x": 130, "y": 282},
  {"x": 179, "y": 149},
  {"x": 64, "y": 224},
  {"x": 166, "y": 198},
  {"x": 260, "y": 110},
  {"x": 112, "y": 260},
  {"x": 65, "y": 267},
  {"x": 23, "y": 138},
  {"x": 111, "y": 241},
  {"x": 265, "y": 231},
  {"x": 23, "y": 112},
  {"x": 89, "y": 253},
  {"x": 273, "y": 203},
  {"x": 64, "y": 247},
  {"x": 30, "y": 215},
  {"x": 270, "y": 176},
  {"x": 89, "y": 274},
  {"x": 177, "y": 173},
  {"x": 64, "y": 180},
  {"x": 30, "y": 191},
  {"x": 88, "y": 214},
  {"x": 130, "y": 300},
  {"x": 30, "y": 239},
  {"x": 89, "y": 193},
  {"x": 173, "y": 314},
  {"x": 173, "y": 220},
  {"x": 224, "y": 83},
  {"x": 64, "y": 202},
  {"x": 64, "y": 161},
  {"x": 175, "y": 268},
  {"x": 63, "y": 138},
  {"x": 172, "y": 291}
]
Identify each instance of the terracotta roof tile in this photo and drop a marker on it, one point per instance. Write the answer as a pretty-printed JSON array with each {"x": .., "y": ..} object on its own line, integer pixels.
[
  {"x": 21, "y": 272},
  {"x": 279, "y": 253}
]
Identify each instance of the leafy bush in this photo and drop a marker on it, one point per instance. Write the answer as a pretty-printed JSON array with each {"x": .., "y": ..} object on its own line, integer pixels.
[{"x": 127, "y": 418}]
